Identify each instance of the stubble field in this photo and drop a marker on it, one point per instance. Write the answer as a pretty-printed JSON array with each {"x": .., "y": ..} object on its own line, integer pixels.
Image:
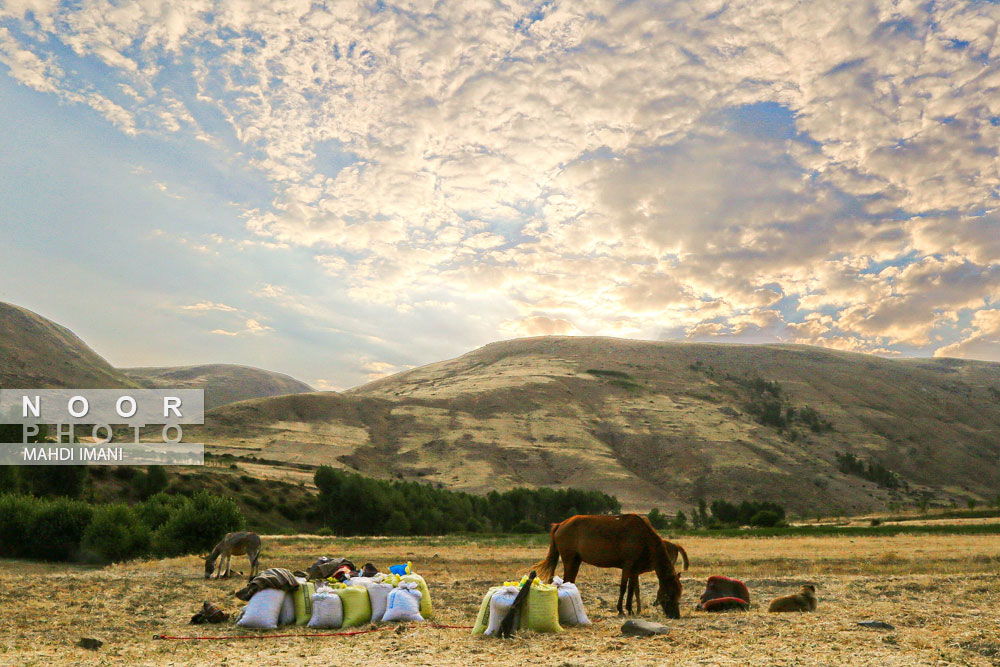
[{"x": 940, "y": 592}]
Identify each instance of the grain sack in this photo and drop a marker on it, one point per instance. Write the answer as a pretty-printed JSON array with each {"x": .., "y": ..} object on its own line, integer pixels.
[
  {"x": 378, "y": 594},
  {"x": 541, "y": 609},
  {"x": 500, "y": 604},
  {"x": 302, "y": 597},
  {"x": 287, "y": 615},
  {"x": 327, "y": 610},
  {"x": 571, "y": 610},
  {"x": 404, "y": 603},
  {"x": 483, "y": 617},
  {"x": 263, "y": 609},
  {"x": 426, "y": 610},
  {"x": 357, "y": 606}
]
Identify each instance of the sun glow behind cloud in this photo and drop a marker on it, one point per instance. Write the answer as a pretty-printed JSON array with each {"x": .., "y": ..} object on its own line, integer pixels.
[{"x": 780, "y": 171}]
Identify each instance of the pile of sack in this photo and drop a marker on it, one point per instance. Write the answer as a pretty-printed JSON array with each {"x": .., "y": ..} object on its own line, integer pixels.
[
  {"x": 546, "y": 608},
  {"x": 332, "y": 603}
]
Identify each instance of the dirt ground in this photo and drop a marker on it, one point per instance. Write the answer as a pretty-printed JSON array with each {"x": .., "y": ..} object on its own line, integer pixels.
[{"x": 941, "y": 594}]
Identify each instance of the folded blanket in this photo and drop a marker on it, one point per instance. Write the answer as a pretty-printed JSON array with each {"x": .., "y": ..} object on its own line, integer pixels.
[
  {"x": 275, "y": 577},
  {"x": 325, "y": 567}
]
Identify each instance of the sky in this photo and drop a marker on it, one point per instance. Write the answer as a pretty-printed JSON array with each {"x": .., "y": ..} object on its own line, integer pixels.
[{"x": 342, "y": 190}]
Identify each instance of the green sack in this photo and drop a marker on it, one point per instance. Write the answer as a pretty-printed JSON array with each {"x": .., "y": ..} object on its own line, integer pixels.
[
  {"x": 425, "y": 600},
  {"x": 357, "y": 606},
  {"x": 541, "y": 609},
  {"x": 482, "y": 620},
  {"x": 303, "y": 599}
]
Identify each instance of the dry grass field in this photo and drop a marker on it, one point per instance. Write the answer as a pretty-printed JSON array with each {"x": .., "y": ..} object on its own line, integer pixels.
[{"x": 940, "y": 592}]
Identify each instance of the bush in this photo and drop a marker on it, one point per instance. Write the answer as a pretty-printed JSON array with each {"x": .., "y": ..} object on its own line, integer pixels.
[
  {"x": 198, "y": 525},
  {"x": 17, "y": 514},
  {"x": 155, "y": 510},
  {"x": 527, "y": 527},
  {"x": 116, "y": 533},
  {"x": 154, "y": 481},
  {"x": 57, "y": 529},
  {"x": 765, "y": 519},
  {"x": 65, "y": 481}
]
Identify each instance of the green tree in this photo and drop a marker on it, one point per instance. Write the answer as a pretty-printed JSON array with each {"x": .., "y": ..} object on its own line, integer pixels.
[
  {"x": 658, "y": 519},
  {"x": 680, "y": 520}
]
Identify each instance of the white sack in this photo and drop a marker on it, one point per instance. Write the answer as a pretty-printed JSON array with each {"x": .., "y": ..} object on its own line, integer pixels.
[
  {"x": 404, "y": 604},
  {"x": 328, "y": 611},
  {"x": 263, "y": 610}
]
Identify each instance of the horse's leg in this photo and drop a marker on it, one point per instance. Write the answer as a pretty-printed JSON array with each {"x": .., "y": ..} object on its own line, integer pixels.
[
  {"x": 634, "y": 585},
  {"x": 229, "y": 565},
  {"x": 621, "y": 593}
]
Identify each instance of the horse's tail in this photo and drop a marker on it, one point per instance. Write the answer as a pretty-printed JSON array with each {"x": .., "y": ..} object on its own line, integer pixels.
[
  {"x": 684, "y": 555},
  {"x": 547, "y": 568}
]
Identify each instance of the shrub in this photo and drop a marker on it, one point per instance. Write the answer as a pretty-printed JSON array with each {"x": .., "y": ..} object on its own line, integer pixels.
[
  {"x": 155, "y": 481},
  {"x": 765, "y": 519},
  {"x": 526, "y": 526},
  {"x": 155, "y": 510},
  {"x": 57, "y": 529},
  {"x": 10, "y": 479},
  {"x": 65, "y": 481},
  {"x": 17, "y": 514},
  {"x": 198, "y": 525},
  {"x": 116, "y": 533}
]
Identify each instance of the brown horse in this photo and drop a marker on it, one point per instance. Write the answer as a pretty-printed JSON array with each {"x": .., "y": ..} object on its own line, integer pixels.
[{"x": 627, "y": 542}]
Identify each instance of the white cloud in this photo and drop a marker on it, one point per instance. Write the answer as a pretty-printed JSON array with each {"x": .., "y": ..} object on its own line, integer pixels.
[
  {"x": 764, "y": 171},
  {"x": 210, "y": 305}
]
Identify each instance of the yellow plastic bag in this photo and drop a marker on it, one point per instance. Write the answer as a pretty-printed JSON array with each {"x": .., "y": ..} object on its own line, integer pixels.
[
  {"x": 484, "y": 612},
  {"x": 425, "y": 600},
  {"x": 357, "y": 606},
  {"x": 303, "y": 599},
  {"x": 541, "y": 609}
]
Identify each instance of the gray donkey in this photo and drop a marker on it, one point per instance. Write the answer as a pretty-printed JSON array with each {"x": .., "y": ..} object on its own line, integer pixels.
[{"x": 233, "y": 544}]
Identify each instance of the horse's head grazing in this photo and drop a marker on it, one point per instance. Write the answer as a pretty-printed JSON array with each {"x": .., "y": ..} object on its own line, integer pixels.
[{"x": 669, "y": 595}]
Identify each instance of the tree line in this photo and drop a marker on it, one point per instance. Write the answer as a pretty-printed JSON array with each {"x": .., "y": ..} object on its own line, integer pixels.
[{"x": 351, "y": 504}]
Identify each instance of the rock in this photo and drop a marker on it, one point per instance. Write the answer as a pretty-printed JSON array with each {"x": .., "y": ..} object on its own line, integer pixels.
[
  {"x": 90, "y": 643},
  {"x": 878, "y": 625},
  {"x": 643, "y": 629}
]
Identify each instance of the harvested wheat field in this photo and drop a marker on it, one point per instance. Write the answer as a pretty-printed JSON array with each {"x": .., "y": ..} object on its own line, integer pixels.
[{"x": 940, "y": 592}]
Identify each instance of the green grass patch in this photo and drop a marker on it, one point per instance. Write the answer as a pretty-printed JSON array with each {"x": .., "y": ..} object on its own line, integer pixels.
[
  {"x": 851, "y": 531},
  {"x": 609, "y": 374}
]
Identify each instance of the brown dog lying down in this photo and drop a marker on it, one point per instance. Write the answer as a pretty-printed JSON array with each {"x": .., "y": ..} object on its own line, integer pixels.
[{"x": 804, "y": 600}]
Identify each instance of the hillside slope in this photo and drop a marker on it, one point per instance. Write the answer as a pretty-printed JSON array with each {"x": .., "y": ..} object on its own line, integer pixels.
[
  {"x": 223, "y": 383},
  {"x": 657, "y": 424},
  {"x": 37, "y": 353}
]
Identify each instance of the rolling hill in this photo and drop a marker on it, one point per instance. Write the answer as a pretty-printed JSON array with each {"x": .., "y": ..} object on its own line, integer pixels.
[
  {"x": 35, "y": 352},
  {"x": 223, "y": 383},
  {"x": 657, "y": 424},
  {"x": 654, "y": 423}
]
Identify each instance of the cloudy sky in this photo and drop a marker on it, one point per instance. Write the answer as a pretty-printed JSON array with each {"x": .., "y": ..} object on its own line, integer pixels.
[{"x": 341, "y": 190}]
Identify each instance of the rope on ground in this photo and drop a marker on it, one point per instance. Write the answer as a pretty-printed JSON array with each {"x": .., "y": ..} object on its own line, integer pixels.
[{"x": 311, "y": 634}]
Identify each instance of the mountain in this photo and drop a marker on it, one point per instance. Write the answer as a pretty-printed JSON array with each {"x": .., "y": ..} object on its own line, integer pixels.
[
  {"x": 223, "y": 383},
  {"x": 37, "y": 353},
  {"x": 655, "y": 423}
]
